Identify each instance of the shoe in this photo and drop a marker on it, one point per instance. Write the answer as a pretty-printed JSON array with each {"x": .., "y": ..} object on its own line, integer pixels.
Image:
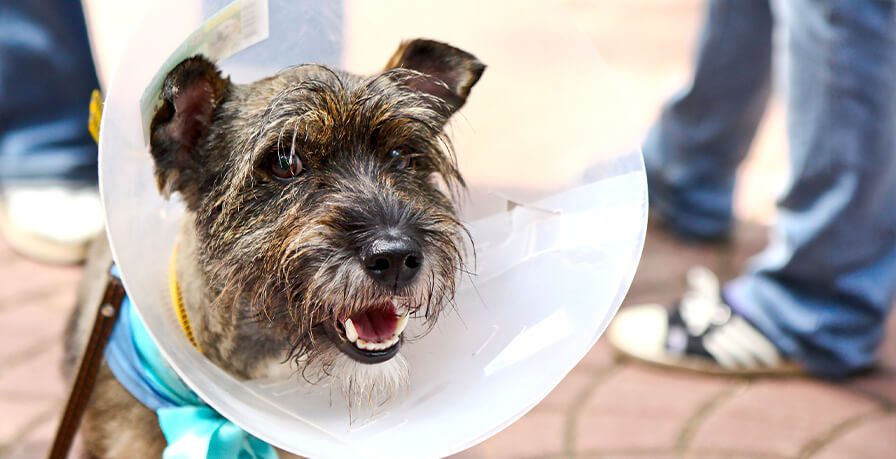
[
  {"x": 701, "y": 334},
  {"x": 52, "y": 224}
]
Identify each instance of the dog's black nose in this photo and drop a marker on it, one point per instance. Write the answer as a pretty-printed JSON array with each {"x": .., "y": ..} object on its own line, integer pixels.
[{"x": 393, "y": 262}]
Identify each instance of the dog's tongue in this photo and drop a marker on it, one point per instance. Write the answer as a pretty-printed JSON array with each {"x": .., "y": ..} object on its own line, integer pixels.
[{"x": 376, "y": 325}]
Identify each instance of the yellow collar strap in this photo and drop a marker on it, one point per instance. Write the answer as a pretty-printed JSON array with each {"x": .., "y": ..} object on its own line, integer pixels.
[{"x": 177, "y": 301}]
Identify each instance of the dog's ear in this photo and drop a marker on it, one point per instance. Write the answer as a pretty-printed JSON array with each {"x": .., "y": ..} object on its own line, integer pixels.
[
  {"x": 191, "y": 93},
  {"x": 448, "y": 73}
]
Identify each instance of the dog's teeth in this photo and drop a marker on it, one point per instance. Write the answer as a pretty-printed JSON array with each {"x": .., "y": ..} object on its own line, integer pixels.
[
  {"x": 402, "y": 323},
  {"x": 350, "y": 333},
  {"x": 366, "y": 345}
]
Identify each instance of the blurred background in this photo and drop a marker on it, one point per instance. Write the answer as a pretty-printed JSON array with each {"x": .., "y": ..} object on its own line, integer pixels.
[{"x": 607, "y": 407}]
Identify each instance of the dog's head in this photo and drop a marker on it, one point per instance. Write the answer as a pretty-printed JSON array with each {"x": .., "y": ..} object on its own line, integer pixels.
[{"x": 319, "y": 200}]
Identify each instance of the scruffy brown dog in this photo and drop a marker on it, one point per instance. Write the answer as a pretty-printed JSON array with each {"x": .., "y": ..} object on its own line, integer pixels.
[{"x": 319, "y": 217}]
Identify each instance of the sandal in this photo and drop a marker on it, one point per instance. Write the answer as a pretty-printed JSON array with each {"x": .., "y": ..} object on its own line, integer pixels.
[{"x": 701, "y": 334}]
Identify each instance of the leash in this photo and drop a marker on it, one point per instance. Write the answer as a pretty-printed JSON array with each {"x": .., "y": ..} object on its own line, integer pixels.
[
  {"x": 103, "y": 325},
  {"x": 106, "y": 317},
  {"x": 121, "y": 340}
]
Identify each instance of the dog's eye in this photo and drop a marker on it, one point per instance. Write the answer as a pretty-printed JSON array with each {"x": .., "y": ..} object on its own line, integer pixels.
[
  {"x": 286, "y": 165},
  {"x": 399, "y": 159}
]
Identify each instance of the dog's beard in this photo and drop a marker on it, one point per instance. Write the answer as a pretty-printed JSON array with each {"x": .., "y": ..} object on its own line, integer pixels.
[
  {"x": 363, "y": 386},
  {"x": 366, "y": 386}
]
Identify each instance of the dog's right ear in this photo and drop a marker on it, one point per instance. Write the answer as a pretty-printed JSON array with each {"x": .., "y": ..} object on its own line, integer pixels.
[{"x": 191, "y": 93}]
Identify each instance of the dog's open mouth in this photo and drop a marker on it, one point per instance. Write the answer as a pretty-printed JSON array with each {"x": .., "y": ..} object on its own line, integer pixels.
[{"x": 372, "y": 335}]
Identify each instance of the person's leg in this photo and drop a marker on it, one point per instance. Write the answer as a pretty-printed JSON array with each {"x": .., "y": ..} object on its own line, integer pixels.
[
  {"x": 704, "y": 132},
  {"x": 49, "y": 203},
  {"x": 822, "y": 289},
  {"x": 46, "y": 76}
]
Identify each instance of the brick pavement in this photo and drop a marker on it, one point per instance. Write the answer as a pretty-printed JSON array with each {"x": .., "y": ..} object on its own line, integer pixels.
[{"x": 605, "y": 408}]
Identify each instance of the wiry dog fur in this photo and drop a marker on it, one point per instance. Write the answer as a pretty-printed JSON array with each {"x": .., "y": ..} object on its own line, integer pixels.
[{"x": 266, "y": 263}]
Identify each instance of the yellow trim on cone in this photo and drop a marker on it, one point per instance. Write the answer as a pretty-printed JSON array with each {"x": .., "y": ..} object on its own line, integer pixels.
[
  {"x": 96, "y": 114},
  {"x": 177, "y": 301}
]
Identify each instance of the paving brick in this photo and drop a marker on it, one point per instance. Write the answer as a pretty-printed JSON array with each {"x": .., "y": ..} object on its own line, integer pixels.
[
  {"x": 599, "y": 357},
  {"x": 538, "y": 434},
  {"x": 778, "y": 417},
  {"x": 655, "y": 454},
  {"x": 39, "y": 376},
  {"x": 28, "y": 327},
  {"x": 6, "y": 253},
  {"x": 35, "y": 313},
  {"x": 666, "y": 259},
  {"x": 597, "y": 433},
  {"x": 473, "y": 453},
  {"x": 887, "y": 352},
  {"x": 749, "y": 239},
  {"x": 566, "y": 395},
  {"x": 642, "y": 408},
  {"x": 643, "y": 293},
  {"x": 36, "y": 443},
  {"x": 880, "y": 385},
  {"x": 665, "y": 297},
  {"x": 61, "y": 302},
  {"x": 655, "y": 49},
  {"x": 871, "y": 439},
  {"x": 633, "y": 455},
  {"x": 24, "y": 278},
  {"x": 726, "y": 455},
  {"x": 23, "y": 412}
]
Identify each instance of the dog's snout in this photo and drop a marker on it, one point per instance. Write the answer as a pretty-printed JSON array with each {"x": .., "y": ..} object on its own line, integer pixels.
[{"x": 393, "y": 261}]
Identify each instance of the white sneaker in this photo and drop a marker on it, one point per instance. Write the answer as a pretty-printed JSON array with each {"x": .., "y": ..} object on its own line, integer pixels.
[
  {"x": 701, "y": 334},
  {"x": 53, "y": 224}
]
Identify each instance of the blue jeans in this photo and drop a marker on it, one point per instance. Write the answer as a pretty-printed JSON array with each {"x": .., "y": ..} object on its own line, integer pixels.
[
  {"x": 46, "y": 76},
  {"x": 822, "y": 289}
]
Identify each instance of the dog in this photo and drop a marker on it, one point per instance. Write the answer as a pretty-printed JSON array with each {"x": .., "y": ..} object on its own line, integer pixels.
[{"x": 320, "y": 215}]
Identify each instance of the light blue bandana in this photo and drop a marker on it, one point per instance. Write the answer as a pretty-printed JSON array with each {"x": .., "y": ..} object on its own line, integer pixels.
[{"x": 193, "y": 429}]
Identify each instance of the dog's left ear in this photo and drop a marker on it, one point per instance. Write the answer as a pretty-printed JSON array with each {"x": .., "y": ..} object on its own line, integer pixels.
[
  {"x": 191, "y": 93},
  {"x": 448, "y": 73}
]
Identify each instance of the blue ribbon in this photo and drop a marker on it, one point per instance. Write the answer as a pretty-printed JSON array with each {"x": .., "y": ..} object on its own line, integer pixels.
[{"x": 193, "y": 429}]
